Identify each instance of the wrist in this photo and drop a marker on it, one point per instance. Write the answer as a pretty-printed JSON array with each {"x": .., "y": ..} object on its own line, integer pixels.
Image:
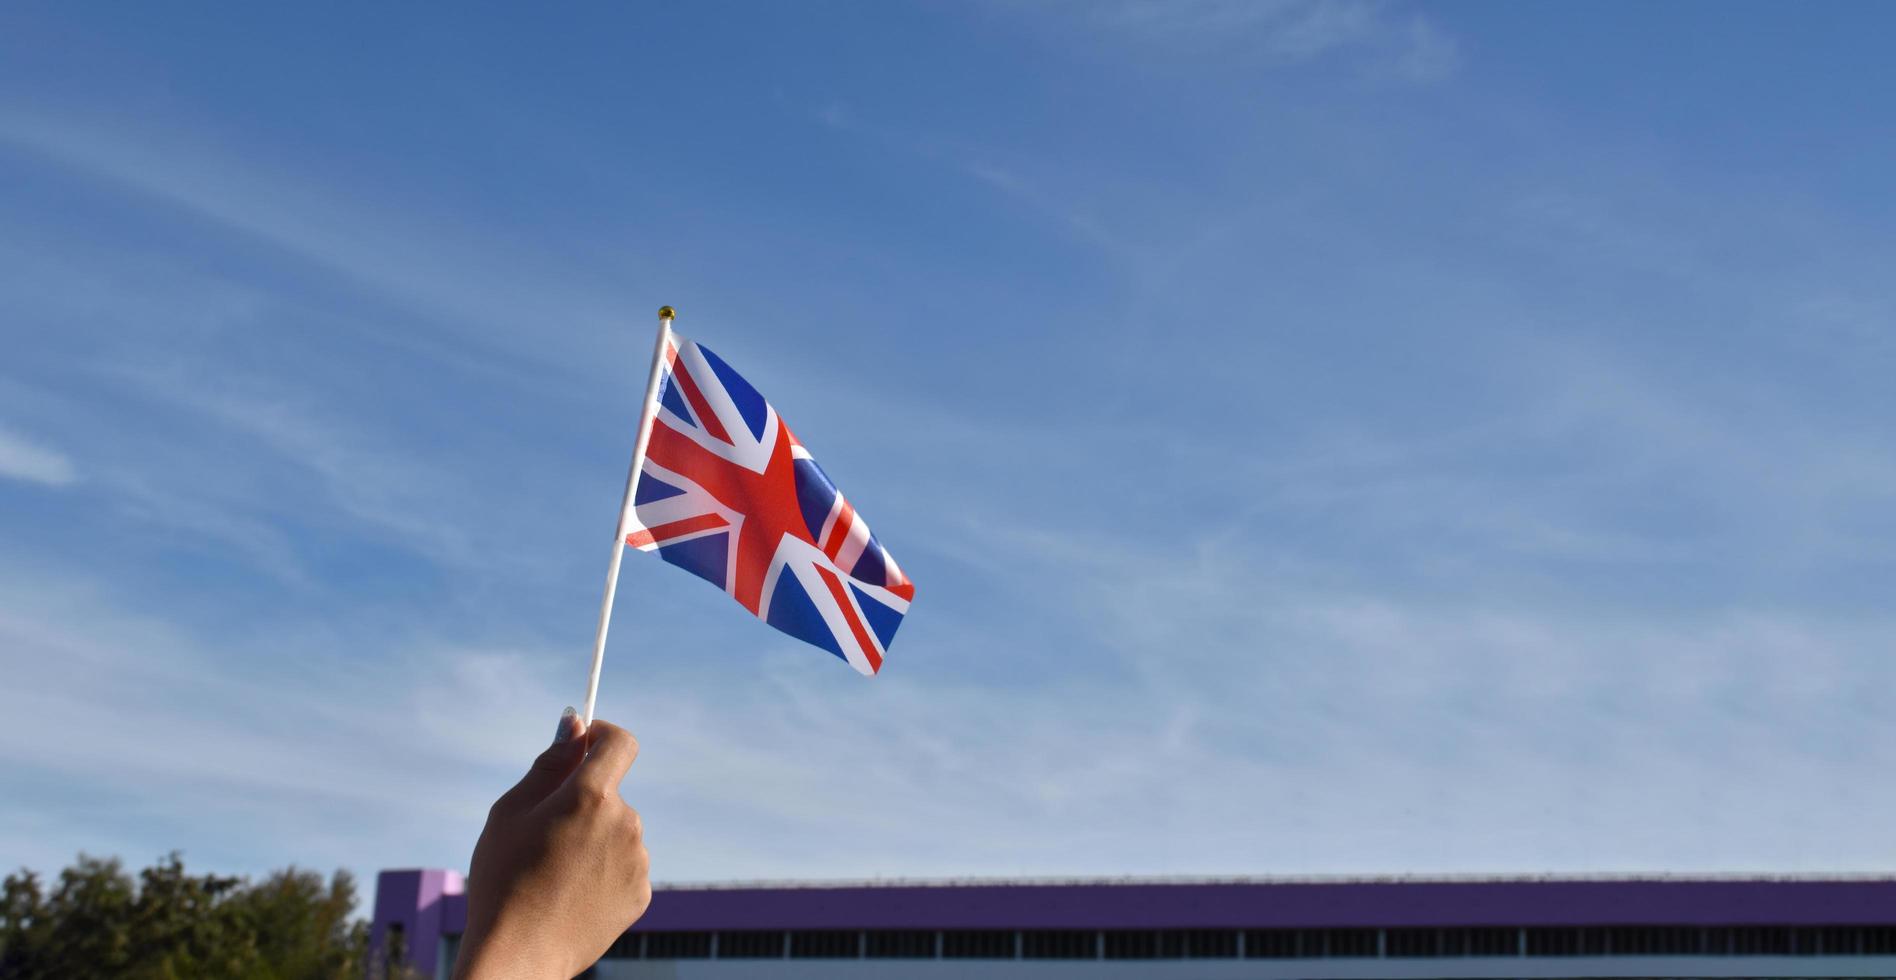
[{"x": 502, "y": 955}]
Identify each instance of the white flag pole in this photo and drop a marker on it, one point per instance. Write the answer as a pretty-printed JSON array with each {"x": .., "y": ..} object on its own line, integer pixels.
[{"x": 625, "y": 506}]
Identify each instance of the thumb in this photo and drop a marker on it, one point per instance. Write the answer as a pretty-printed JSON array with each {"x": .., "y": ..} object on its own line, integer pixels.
[{"x": 551, "y": 767}]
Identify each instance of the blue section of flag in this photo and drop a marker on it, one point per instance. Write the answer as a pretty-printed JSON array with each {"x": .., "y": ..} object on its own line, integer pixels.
[
  {"x": 652, "y": 488},
  {"x": 882, "y": 619},
  {"x": 869, "y": 567},
  {"x": 749, "y": 403},
  {"x": 792, "y": 612},
  {"x": 815, "y": 495},
  {"x": 704, "y": 557},
  {"x": 674, "y": 401}
]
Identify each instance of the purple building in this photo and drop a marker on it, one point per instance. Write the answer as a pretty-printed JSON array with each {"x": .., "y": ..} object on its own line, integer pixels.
[{"x": 1396, "y": 927}]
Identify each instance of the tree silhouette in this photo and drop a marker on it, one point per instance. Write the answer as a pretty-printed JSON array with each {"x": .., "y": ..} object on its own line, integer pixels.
[{"x": 166, "y": 924}]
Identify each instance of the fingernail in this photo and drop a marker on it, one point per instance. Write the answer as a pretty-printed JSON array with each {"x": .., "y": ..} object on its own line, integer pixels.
[{"x": 569, "y": 726}]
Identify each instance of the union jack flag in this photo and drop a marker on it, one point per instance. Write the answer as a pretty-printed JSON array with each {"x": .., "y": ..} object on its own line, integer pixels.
[{"x": 727, "y": 493}]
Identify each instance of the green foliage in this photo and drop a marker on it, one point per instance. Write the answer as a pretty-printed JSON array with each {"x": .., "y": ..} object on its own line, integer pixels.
[{"x": 98, "y": 921}]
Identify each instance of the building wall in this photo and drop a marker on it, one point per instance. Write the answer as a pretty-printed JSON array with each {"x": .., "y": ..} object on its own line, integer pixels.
[
  {"x": 1764, "y": 927},
  {"x": 424, "y": 907},
  {"x": 1338, "y": 969}
]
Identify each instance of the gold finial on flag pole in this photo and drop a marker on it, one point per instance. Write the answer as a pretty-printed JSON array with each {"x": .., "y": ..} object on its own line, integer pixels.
[{"x": 667, "y": 313}]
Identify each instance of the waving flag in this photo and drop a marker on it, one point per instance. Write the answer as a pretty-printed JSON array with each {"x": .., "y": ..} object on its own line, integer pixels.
[{"x": 727, "y": 493}]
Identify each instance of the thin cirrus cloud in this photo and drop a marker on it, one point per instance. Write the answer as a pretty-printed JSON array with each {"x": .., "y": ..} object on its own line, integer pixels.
[
  {"x": 317, "y": 745},
  {"x": 461, "y": 302},
  {"x": 1379, "y": 39},
  {"x": 25, "y": 460}
]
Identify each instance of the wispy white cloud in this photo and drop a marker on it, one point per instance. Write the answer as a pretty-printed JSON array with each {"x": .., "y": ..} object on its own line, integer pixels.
[
  {"x": 164, "y": 504},
  {"x": 1428, "y": 53},
  {"x": 1083, "y": 224},
  {"x": 23, "y": 459},
  {"x": 127, "y": 717},
  {"x": 1301, "y": 732},
  {"x": 1302, "y": 27},
  {"x": 473, "y": 299},
  {"x": 1514, "y": 730},
  {"x": 373, "y": 483},
  {"x": 1283, "y": 32},
  {"x": 1284, "y": 732}
]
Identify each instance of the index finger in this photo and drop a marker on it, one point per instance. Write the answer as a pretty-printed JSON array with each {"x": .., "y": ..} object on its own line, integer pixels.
[{"x": 610, "y": 751}]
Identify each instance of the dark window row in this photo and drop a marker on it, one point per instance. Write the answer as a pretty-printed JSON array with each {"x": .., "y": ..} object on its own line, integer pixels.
[
  {"x": 977, "y": 944},
  {"x": 1452, "y": 942},
  {"x": 1294, "y": 944},
  {"x": 1714, "y": 941},
  {"x": 1172, "y": 944}
]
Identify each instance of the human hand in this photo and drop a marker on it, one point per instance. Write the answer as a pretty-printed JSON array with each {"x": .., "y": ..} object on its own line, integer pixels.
[{"x": 560, "y": 870}]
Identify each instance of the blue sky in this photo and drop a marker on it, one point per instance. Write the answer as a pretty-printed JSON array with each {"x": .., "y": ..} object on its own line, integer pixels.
[{"x": 1327, "y": 436}]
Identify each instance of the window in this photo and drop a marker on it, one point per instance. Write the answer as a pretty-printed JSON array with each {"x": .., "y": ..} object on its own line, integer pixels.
[
  {"x": 750, "y": 944},
  {"x": 1348, "y": 942},
  {"x": 1406, "y": 943},
  {"x": 827, "y": 944},
  {"x": 626, "y": 947},
  {"x": 1655, "y": 941},
  {"x": 1566, "y": 942},
  {"x": 1156, "y": 944},
  {"x": 1059, "y": 944},
  {"x": 903, "y": 944},
  {"x": 677, "y": 945},
  {"x": 1272, "y": 944},
  {"x": 1491, "y": 942},
  {"x": 1758, "y": 940},
  {"x": 1849, "y": 941},
  {"x": 1830, "y": 942},
  {"x": 978, "y": 944},
  {"x": 1132, "y": 944},
  {"x": 1199, "y": 944}
]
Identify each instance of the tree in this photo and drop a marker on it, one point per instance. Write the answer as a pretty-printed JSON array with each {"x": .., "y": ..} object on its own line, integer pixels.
[
  {"x": 302, "y": 925},
  {"x": 98, "y": 921},
  {"x": 23, "y": 927}
]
